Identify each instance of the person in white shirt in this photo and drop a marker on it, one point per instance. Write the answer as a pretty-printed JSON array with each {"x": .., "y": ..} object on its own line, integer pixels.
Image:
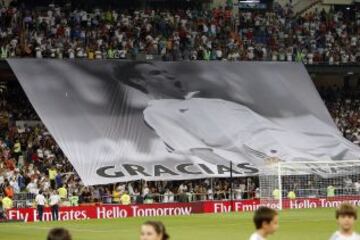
[
  {"x": 289, "y": 56},
  {"x": 266, "y": 222},
  {"x": 71, "y": 53},
  {"x": 54, "y": 202},
  {"x": 238, "y": 193},
  {"x": 32, "y": 187},
  {"x": 310, "y": 58},
  {"x": 357, "y": 186},
  {"x": 14, "y": 184},
  {"x": 168, "y": 196},
  {"x": 146, "y": 190},
  {"x": 219, "y": 54},
  {"x": 182, "y": 188},
  {"x": 210, "y": 195},
  {"x": 346, "y": 216},
  {"x": 40, "y": 204},
  {"x": 38, "y": 52}
]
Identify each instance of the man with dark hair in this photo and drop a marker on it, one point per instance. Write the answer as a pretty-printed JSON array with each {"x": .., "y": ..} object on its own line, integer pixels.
[
  {"x": 266, "y": 222},
  {"x": 149, "y": 78},
  {"x": 59, "y": 234}
]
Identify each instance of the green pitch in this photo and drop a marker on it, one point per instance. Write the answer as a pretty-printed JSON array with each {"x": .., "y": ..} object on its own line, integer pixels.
[{"x": 312, "y": 224}]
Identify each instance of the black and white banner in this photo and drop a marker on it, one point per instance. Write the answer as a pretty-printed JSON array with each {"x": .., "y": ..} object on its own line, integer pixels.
[{"x": 119, "y": 120}]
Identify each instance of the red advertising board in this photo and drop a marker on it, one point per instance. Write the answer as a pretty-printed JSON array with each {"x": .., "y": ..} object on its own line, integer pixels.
[
  {"x": 108, "y": 211},
  {"x": 171, "y": 209}
]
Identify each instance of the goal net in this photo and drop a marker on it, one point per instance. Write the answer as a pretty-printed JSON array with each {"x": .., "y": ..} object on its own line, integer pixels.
[{"x": 309, "y": 184}]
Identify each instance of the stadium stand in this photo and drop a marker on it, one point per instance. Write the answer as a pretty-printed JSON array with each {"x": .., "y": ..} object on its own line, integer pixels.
[
  {"x": 219, "y": 34},
  {"x": 31, "y": 160}
]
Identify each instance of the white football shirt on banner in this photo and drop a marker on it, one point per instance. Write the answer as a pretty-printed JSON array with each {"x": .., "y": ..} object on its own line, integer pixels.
[{"x": 219, "y": 125}]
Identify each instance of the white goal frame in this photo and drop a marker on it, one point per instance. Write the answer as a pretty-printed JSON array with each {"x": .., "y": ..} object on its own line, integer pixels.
[{"x": 338, "y": 179}]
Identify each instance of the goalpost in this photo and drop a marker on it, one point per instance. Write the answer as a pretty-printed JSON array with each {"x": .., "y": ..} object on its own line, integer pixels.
[{"x": 320, "y": 183}]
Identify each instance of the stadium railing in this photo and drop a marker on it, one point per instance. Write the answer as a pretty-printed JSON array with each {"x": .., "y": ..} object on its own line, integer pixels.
[{"x": 24, "y": 200}]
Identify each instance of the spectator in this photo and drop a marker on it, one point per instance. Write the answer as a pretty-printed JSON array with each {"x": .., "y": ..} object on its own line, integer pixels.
[
  {"x": 58, "y": 180},
  {"x": 52, "y": 176},
  {"x": 17, "y": 149},
  {"x": 86, "y": 196},
  {"x": 357, "y": 186},
  {"x": 330, "y": 191},
  {"x": 291, "y": 195},
  {"x": 116, "y": 194},
  {"x": 63, "y": 193},
  {"x": 21, "y": 181},
  {"x": 2, "y": 211},
  {"x": 125, "y": 199},
  {"x": 9, "y": 191},
  {"x": 32, "y": 187},
  {"x": 168, "y": 196},
  {"x": 74, "y": 200},
  {"x": 7, "y": 203},
  {"x": 277, "y": 34}
]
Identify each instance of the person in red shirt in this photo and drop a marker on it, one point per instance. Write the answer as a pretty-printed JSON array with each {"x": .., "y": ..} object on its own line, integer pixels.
[
  {"x": 60, "y": 31},
  {"x": 9, "y": 163}
]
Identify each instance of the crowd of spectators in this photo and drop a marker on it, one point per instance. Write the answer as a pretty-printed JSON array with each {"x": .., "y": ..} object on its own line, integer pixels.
[
  {"x": 30, "y": 159},
  {"x": 218, "y": 34},
  {"x": 344, "y": 107}
]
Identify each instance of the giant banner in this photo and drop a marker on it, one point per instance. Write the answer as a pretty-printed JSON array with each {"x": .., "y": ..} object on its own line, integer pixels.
[
  {"x": 119, "y": 121},
  {"x": 171, "y": 209}
]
